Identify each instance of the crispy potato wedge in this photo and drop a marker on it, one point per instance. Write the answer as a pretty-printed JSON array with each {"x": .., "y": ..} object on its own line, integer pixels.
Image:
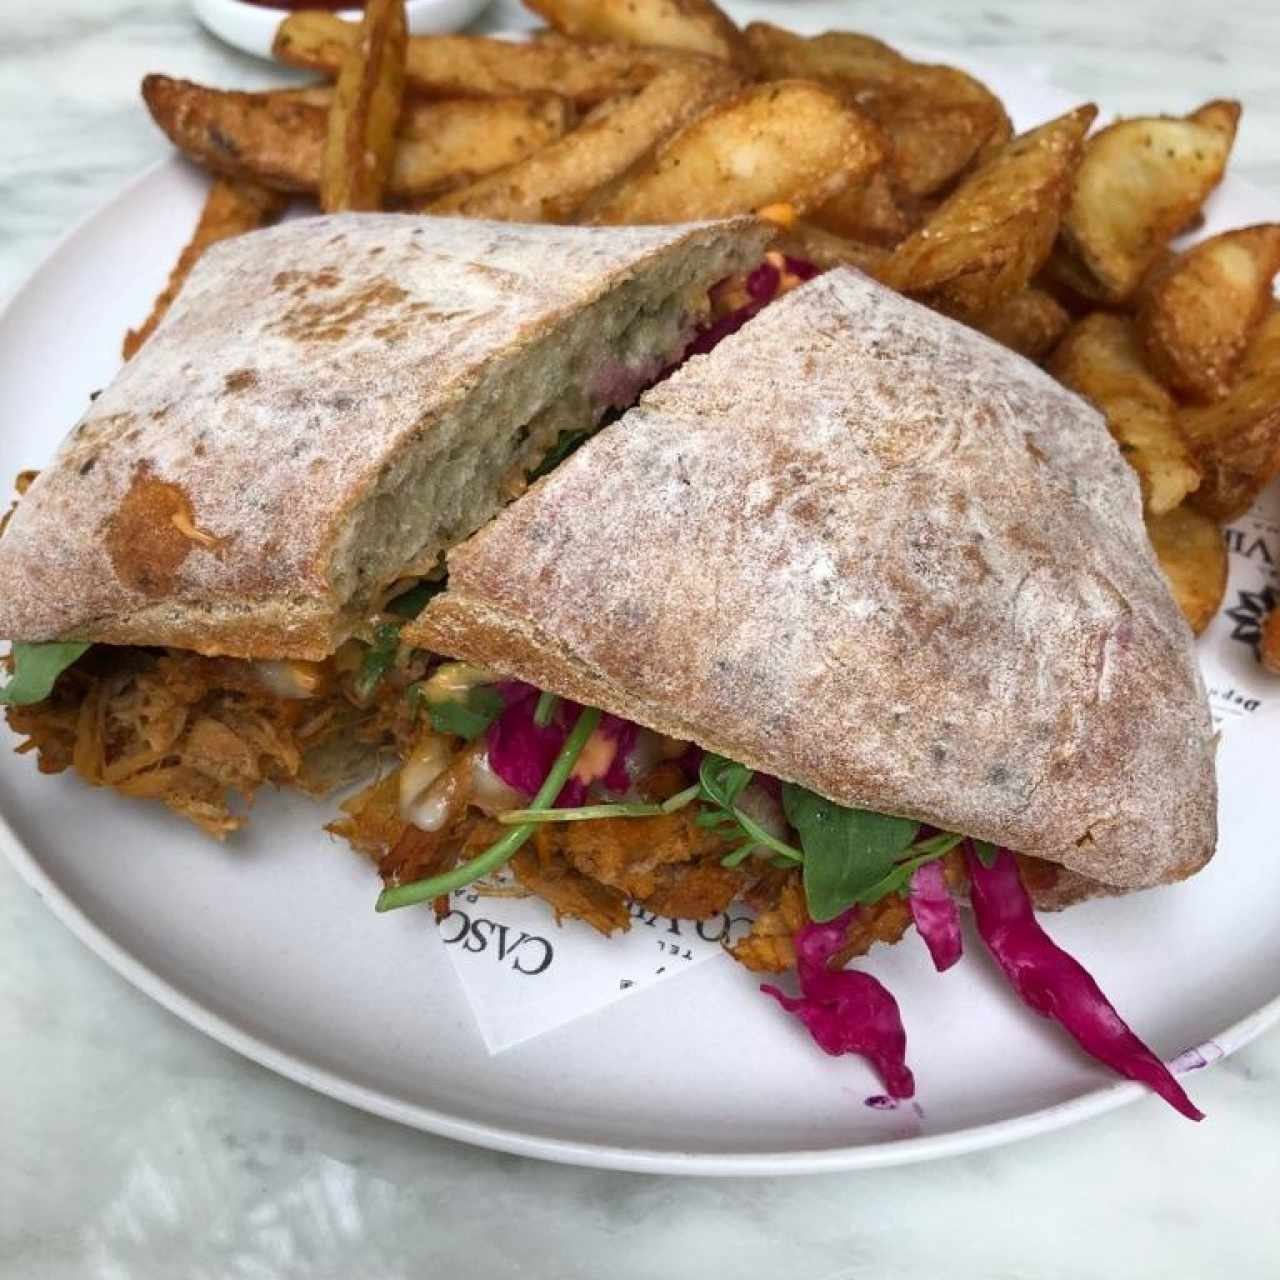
[
  {"x": 871, "y": 212},
  {"x": 1197, "y": 315},
  {"x": 552, "y": 183},
  {"x": 1139, "y": 182},
  {"x": 994, "y": 232},
  {"x": 938, "y": 118},
  {"x": 361, "y": 140},
  {"x": 483, "y": 67},
  {"x": 696, "y": 26},
  {"x": 233, "y": 206},
  {"x": 278, "y": 138},
  {"x": 813, "y": 244},
  {"x": 1100, "y": 358},
  {"x": 1236, "y": 440},
  {"x": 1030, "y": 322},
  {"x": 1269, "y": 642},
  {"x": 273, "y": 139},
  {"x": 791, "y": 141},
  {"x": 1193, "y": 555}
]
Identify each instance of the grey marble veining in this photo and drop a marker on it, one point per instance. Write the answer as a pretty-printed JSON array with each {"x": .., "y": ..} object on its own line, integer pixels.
[{"x": 133, "y": 1147}]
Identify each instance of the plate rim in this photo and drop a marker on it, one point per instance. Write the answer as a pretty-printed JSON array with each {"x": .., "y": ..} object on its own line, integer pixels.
[{"x": 508, "y": 1138}]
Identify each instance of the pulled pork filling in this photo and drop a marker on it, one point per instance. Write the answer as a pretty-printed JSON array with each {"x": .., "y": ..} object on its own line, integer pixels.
[
  {"x": 201, "y": 735},
  {"x": 594, "y": 814}
]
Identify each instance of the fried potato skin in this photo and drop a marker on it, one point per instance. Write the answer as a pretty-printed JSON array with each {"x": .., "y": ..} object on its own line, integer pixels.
[
  {"x": 1139, "y": 183},
  {"x": 938, "y": 118},
  {"x": 994, "y": 232},
  {"x": 1269, "y": 646},
  {"x": 360, "y": 143},
  {"x": 1193, "y": 556},
  {"x": 791, "y": 140},
  {"x": 551, "y": 184},
  {"x": 1236, "y": 440},
  {"x": 277, "y": 139},
  {"x": 871, "y": 212},
  {"x": 1198, "y": 313},
  {"x": 484, "y": 67},
  {"x": 813, "y": 244},
  {"x": 696, "y": 26},
  {"x": 1100, "y": 358},
  {"x": 232, "y": 207},
  {"x": 1030, "y": 322}
]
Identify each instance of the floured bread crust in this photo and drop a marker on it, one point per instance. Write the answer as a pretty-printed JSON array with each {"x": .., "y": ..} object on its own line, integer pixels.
[
  {"x": 868, "y": 550},
  {"x": 328, "y": 404}
]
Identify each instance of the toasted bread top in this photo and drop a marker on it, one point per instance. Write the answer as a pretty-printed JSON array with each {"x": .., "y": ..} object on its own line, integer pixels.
[{"x": 865, "y": 549}]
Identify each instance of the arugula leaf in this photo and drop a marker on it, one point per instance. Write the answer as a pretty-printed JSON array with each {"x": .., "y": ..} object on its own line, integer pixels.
[
  {"x": 722, "y": 781},
  {"x": 846, "y": 851},
  {"x": 36, "y": 667},
  {"x": 567, "y": 443},
  {"x": 986, "y": 852},
  {"x": 378, "y": 659},
  {"x": 471, "y": 716},
  {"x": 412, "y": 602}
]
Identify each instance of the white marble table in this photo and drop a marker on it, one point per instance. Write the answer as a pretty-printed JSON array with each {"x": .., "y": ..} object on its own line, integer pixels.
[{"x": 131, "y": 1146}]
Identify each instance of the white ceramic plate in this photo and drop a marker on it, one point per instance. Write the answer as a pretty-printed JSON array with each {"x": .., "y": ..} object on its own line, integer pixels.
[
  {"x": 270, "y": 944},
  {"x": 252, "y": 27}
]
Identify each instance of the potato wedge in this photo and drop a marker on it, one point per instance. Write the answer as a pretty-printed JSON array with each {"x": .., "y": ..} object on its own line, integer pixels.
[
  {"x": 696, "y": 26},
  {"x": 791, "y": 141},
  {"x": 361, "y": 140},
  {"x": 1269, "y": 642},
  {"x": 1197, "y": 315},
  {"x": 232, "y": 207},
  {"x": 812, "y": 244},
  {"x": 1193, "y": 556},
  {"x": 277, "y": 138},
  {"x": 484, "y": 67},
  {"x": 871, "y": 212},
  {"x": 938, "y": 118},
  {"x": 994, "y": 232},
  {"x": 1030, "y": 322},
  {"x": 552, "y": 183},
  {"x": 1236, "y": 440},
  {"x": 1140, "y": 181},
  {"x": 1100, "y": 358}
]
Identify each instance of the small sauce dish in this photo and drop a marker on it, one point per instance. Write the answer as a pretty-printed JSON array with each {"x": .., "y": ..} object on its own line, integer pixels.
[{"x": 252, "y": 27}]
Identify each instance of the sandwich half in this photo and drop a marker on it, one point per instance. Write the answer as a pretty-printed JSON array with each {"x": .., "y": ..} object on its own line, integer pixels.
[
  {"x": 856, "y": 608},
  {"x": 242, "y": 519}
]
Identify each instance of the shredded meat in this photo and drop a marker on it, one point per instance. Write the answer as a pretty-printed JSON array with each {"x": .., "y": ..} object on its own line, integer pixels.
[
  {"x": 544, "y": 871},
  {"x": 193, "y": 733},
  {"x": 770, "y": 946},
  {"x": 631, "y": 854}
]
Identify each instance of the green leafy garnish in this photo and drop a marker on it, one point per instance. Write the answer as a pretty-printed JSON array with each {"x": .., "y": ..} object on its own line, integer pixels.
[
  {"x": 505, "y": 848},
  {"x": 723, "y": 781},
  {"x": 986, "y": 852},
  {"x": 593, "y": 812},
  {"x": 546, "y": 708},
  {"x": 468, "y": 717},
  {"x": 899, "y": 878},
  {"x": 379, "y": 658},
  {"x": 847, "y": 852},
  {"x": 566, "y": 444},
  {"x": 36, "y": 668},
  {"x": 412, "y": 602}
]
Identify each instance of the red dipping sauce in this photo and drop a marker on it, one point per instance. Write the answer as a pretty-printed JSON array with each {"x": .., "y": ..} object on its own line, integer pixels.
[{"x": 332, "y": 5}]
